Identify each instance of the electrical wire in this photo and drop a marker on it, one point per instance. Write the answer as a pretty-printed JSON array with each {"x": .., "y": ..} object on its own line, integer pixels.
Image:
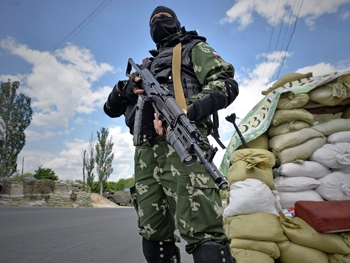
[{"x": 77, "y": 29}]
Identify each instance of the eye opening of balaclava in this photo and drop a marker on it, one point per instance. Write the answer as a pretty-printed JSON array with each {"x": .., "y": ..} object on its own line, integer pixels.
[{"x": 163, "y": 27}]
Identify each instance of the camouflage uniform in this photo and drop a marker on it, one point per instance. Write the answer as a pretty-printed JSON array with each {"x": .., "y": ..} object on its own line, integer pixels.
[{"x": 168, "y": 195}]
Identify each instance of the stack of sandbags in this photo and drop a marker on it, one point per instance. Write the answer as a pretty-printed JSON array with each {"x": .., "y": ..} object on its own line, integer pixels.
[
  {"x": 305, "y": 244},
  {"x": 253, "y": 207},
  {"x": 336, "y": 156},
  {"x": 254, "y": 237},
  {"x": 297, "y": 181},
  {"x": 251, "y": 183}
]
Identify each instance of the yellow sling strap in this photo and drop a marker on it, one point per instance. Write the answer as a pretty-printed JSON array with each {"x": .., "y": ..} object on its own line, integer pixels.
[{"x": 176, "y": 68}]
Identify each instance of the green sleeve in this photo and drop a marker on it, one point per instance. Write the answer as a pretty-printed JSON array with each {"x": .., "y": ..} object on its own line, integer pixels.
[{"x": 210, "y": 69}]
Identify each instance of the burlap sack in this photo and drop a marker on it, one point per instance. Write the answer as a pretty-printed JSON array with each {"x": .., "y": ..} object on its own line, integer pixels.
[
  {"x": 332, "y": 93},
  {"x": 290, "y": 77},
  {"x": 346, "y": 113},
  {"x": 284, "y": 141},
  {"x": 300, "y": 152},
  {"x": 269, "y": 248},
  {"x": 292, "y": 253},
  {"x": 262, "y": 142},
  {"x": 252, "y": 163},
  {"x": 287, "y": 127},
  {"x": 308, "y": 237},
  {"x": 333, "y": 126},
  {"x": 289, "y": 101},
  {"x": 250, "y": 256},
  {"x": 257, "y": 226},
  {"x": 283, "y": 116}
]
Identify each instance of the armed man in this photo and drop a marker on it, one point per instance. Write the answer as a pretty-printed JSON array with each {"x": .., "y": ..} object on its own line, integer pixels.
[{"x": 167, "y": 194}]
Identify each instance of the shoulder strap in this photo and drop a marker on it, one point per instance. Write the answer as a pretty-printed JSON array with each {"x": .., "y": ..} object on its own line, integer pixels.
[{"x": 176, "y": 69}]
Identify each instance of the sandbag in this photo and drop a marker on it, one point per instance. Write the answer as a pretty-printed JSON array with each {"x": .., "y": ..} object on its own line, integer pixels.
[
  {"x": 293, "y": 253},
  {"x": 288, "y": 199},
  {"x": 343, "y": 136},
  {"x": 289, "y": 101},
  {"x": 284, "y": 141},
  {"x": 307, "y": 169},
  {"x": 282, "y": 116},
  {"x": 308, "y": 237},
  {"x": 346, "y": 113},
  {"x": 335, "y": 156},
  {"x": 338, "y": 258},
  {"x": 251, "y": 196},
  {"x": 295, "y": 184},
  {"x": 251, "y": 163},
  {"x": 287, "y": 127},
  {"x": 345, "y": 170},
  {"x": 269, "y": 248},
  {"x": 262, "y": 142},
  {"x": 300, "y": 152},
  {"x": 289, "y": 77},
  {"x": 332, "y": 93},
  {"x": 332, "y": 126},
  {"x": 334, "y": 186},
  {"x": 257, "y": 226},
  {"x": 250, "y": 256}
]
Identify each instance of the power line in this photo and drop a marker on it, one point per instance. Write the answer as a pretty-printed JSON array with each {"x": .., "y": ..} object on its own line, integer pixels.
[
  {"x": 77, "y": 29},
  {"x": 290, "y": 38}
]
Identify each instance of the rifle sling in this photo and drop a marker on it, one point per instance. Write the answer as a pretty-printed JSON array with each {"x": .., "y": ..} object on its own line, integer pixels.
[{"x": 176, "y": 68}]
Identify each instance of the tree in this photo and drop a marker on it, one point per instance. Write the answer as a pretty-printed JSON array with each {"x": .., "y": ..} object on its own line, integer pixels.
[
  {"x": 45, "y": 173},
  {"x": 104, "y": 157},
  {"x": 15, "y": 117},
  {"x": 89, "y": 163}
]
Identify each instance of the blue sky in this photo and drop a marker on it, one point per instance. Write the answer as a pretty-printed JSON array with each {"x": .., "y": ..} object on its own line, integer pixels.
[{"x": 68, "y": 54}]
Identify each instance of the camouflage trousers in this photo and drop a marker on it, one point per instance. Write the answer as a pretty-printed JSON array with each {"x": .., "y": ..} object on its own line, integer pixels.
[{"x": 169, "y": 196}]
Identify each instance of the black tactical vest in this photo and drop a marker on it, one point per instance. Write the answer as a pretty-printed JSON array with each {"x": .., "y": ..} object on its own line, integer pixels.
[{"x": 161, "y": 66}]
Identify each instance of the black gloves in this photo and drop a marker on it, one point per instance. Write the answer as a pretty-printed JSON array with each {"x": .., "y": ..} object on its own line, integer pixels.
[
  {"x": 130, "y": 88},
  {"x": 211, "y": 102}
]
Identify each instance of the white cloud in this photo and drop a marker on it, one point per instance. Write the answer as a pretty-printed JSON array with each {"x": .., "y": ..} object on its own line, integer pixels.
[
  {"x": 276, "y": 11},
  {"x": 60, "y": 84}
]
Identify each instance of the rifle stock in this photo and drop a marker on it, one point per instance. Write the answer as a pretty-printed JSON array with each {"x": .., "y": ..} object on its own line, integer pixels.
[{"x": 182, "y": 134}]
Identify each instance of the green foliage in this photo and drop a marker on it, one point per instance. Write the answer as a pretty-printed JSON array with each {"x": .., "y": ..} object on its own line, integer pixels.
[
  {"x": 19, "y": 177},
  {"x": 15, "y": 117},
  {"x": 112, "y": 186},
  {"x": 45, "y": 173},
  {"x": 104, "y": 157}
]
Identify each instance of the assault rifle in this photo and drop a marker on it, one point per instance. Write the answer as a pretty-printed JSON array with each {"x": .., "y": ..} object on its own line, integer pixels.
[{"x": 182, "y": 134}]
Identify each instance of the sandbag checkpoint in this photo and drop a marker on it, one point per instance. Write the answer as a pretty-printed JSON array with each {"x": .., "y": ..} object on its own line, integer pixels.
[{"x": 288, "y": 168}]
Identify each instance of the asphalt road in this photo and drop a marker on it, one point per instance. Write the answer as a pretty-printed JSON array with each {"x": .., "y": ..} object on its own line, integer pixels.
[{"x": 65, "y": 235}]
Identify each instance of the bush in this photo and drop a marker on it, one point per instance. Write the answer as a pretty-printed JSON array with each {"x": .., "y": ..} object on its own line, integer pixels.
[{"x": 45, "y": 173}]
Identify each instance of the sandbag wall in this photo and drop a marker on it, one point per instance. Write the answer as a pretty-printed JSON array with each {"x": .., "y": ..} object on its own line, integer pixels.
[{"x": 304, "y": 159}]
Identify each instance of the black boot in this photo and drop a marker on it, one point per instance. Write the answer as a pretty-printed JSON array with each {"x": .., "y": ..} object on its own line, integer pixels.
[
  {"x": 160, "y": 252},
  {"x": 212, "y": 252}
]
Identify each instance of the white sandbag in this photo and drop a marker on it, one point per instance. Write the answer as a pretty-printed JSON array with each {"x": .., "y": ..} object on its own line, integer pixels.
[
  {"x": 288, "y": 199},
  {"x": 334, "y": 187},
  {"x": 295, "y": 184},
  {"x": 307, "y": 168},
  {"x": 251, "y": 196},
  {"x": 343, "y": 136},
  {"x": 335, "y": 156},
  {"x": 345, "y": 170}
]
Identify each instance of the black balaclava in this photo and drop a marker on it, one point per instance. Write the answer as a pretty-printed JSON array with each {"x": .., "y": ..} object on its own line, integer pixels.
[{"x": 163, "y": 27}]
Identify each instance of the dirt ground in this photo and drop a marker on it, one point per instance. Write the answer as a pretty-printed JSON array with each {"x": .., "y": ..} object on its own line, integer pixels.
[{"x": 99, "y": 201}]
